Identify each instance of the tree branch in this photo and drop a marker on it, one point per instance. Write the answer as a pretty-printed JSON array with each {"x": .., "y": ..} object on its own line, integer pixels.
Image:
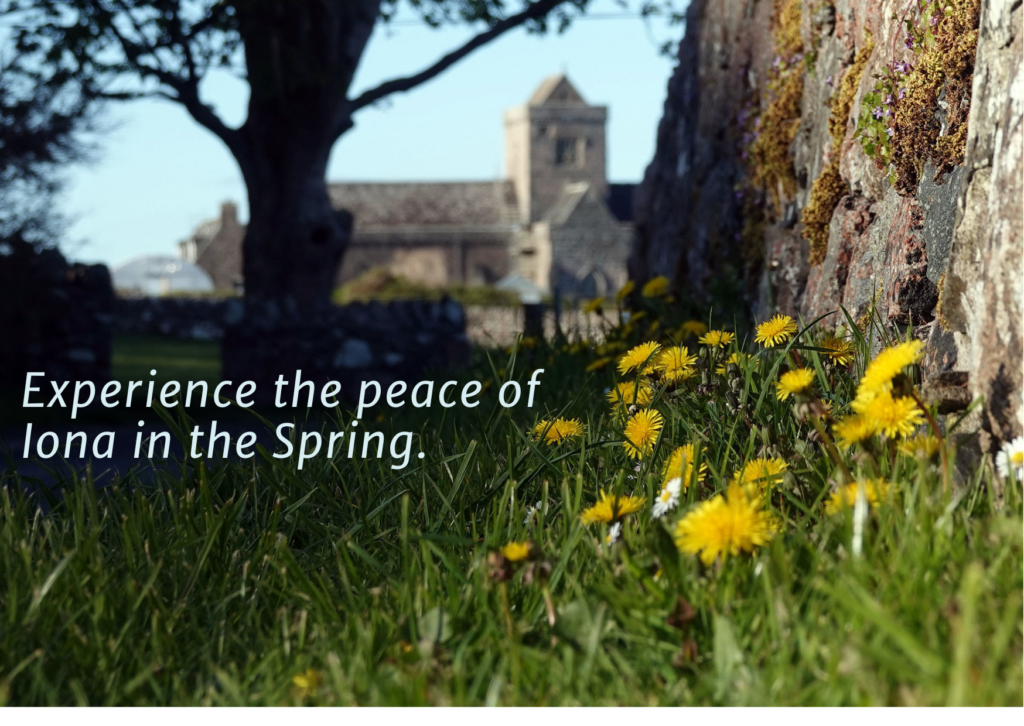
[{"x": 534, "y": 11}]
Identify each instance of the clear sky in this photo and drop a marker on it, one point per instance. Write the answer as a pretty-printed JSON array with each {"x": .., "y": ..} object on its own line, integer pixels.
[{"x": 159, "y": 174}]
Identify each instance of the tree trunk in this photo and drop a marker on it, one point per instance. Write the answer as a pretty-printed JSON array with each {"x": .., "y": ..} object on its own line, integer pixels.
[{"x": 301, "y": 56}]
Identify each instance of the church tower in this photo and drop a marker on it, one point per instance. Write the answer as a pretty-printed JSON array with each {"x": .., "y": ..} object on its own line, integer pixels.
[{"x": 554, "y": 140}]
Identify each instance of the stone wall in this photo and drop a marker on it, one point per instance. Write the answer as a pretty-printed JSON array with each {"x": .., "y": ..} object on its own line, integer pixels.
[
  {"x": 55, "y": 317},
  {"x": 759, "y": 175}
]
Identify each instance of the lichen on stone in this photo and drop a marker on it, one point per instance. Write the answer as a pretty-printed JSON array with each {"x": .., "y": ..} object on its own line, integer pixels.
[
  {"x": 774, "y": 128},
  {"x": 829, "y": 187}
]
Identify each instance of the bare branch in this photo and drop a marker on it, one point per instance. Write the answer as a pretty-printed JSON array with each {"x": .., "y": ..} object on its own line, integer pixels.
[{"x": 534, "y": 11}]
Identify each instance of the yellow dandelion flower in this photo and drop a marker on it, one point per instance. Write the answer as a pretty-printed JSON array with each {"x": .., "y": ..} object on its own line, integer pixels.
[
  {"x": 655, "y": 287},
  {"x": 740, "y": 359},
  {"x": 852, "y": 430},
  {"x": 642, "y": 431},
  {"x": 626, "y": 290},
  {"x": 845, "y": 497},
  {"x": 717, "y": 338},
  {"x": 776, "y": 331},
  {"x": 894, "y": 417},
  {"x": 794, "y": 383},
  {"x": 627, "y": 394},
  {"x": 559, "y": 430},
  {"x": 675, "y": 364},
  {"x": 598, "y": 365},
  {"x": 925, "y": 446},
  {"x": 681, "y": 464},
  {"x": 653, "y": 327},
  {"x": 517, "y": 551},
  {"x": 694, "y": 327},
  {"x": 642, "y": 356},
  {"x": 885, "y": 367},
  {"x": 838, "y": 350},
  {"x": 610, "y": 508},
  {"x": 725, "y": 526},
  {"x": 761, "y": 472},
  {"x": 594, "y": 306},
  {"x": 307, "y": 681}
]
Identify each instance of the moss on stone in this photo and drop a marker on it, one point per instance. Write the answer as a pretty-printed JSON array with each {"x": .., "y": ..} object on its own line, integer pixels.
[
  {"x": 944, "y": 68},
  {"x": 829, "y": 187},
  {"x": 768, "y": 159}
]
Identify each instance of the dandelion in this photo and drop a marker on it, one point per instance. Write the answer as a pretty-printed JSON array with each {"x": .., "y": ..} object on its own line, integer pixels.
[
  {"x": 517, "y": 551},
  {"x": 559, "y": 430},
  {"x": 681, "y": 464},
  {"x": 655, "y": 287},
  {"x": 611, "y": 508},
  {"x": 838, "y": 350},
  {"x": 738, "y": 358},
  {"x": 639, "y": 357},
  {"x": 594, "y": 306},
  {"x": 598, "y": 365},
  {"x": 923, "y": 446},
  {"x": 1011, "y": 458},
  {"x": 894, "y": 417},
  {"x": 668, "y": 498},
  {"x": 641, "y": 432},
  {"x": 725, "y": 525},
  {"x": 888, "y": 364},
  {"x": 845, "y": 497},
  {"x": 675, "y": 364},
  {"x": 760, "y": 473},
  {"x": 717, "y": 338},
  {"x": 694, "y": 327},
  {"x": 852, "y": 430},
  {"x": 794, "y": 383},
  {"x": 639, "y": 393},
  {"x": 306, "y": 682},
  {"x": 776, "y": 331},
  {"x": 625, "y": 291}
]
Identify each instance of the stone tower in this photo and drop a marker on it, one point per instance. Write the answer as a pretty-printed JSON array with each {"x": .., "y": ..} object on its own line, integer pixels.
[{"x": 554, "y": 140}]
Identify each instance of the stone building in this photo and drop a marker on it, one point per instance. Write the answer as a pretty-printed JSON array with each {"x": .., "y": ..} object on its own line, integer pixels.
[{"x": 554, "y": 220}]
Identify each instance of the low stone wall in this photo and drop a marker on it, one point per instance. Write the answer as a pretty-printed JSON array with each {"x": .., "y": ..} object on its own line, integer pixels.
[{"x": 55, "y": 317}]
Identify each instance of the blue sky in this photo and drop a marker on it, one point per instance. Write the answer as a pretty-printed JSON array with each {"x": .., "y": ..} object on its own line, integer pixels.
[{"x": 159, "y": 174}]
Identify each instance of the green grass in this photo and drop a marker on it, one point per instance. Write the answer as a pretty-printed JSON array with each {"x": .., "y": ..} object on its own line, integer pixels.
[
  {"x": 222, "y": 588},
  {"x": 134, "y": 356}
]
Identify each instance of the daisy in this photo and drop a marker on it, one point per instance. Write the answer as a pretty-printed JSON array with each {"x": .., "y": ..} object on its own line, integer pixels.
[
  {"x": 655, "y": 287},
  {"x": 794, "y": 383},
  {"x": 559, "y": 430},
  {"x": 676, "y": 364},
  {"x": 1011, "y": 458},
  {"x": 845, "y": 497},
  {"x": 668, "y": 498},
  {"x": 642, "y": 431},
  {"x": 610, "y": 508},
  {"x": 717, "y": 338},
  {"x": 838, "y": 350},
  {"x": 639, "y": 357},
  {"x": 725, "y": 525},
  {"x": 614, "y": 533},
  {"x": 776, "y": 331}
]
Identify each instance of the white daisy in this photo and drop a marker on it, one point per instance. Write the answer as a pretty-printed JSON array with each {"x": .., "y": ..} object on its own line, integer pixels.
[
  {"x": 668, "y": 498},
  {"x": 614, "y": 533},
  {"x": 1011, "y": 458}
]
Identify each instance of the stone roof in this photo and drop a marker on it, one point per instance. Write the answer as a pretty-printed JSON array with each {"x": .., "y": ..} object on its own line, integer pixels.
[
  {"x": 427, "y": 204},
  {"x": 556, "y": 90}
]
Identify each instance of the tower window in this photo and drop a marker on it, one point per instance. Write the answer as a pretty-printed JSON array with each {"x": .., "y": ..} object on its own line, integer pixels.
[{"x": 567, "y": 152}]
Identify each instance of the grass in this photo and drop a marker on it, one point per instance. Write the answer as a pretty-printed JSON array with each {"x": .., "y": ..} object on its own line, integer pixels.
[
  {"x": 134, "y": 356},
  {"x": 352, "y": 583}
]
